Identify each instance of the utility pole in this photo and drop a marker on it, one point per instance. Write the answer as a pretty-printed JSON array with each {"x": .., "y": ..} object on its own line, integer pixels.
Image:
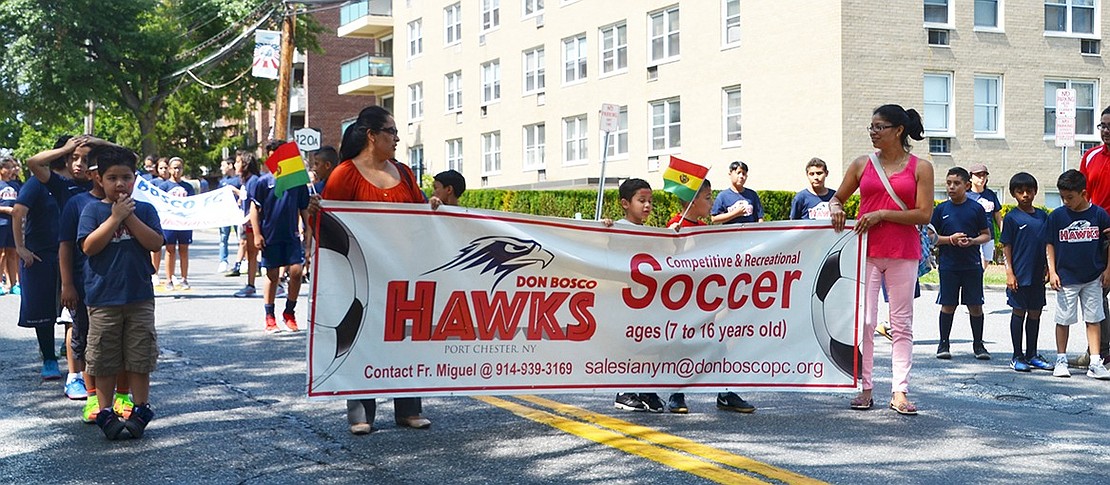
[
  {"x": 285, "y": 75},
  {"x": 90, "y": 117}
]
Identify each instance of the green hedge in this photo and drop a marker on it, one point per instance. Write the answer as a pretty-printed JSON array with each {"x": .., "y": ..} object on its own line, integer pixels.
[{"x": 565, "y": 203}]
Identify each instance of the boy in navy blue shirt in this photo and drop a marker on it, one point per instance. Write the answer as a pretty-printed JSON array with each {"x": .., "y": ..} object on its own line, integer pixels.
[
  {"x": 1077, "y": 268},
  {"x": 276, "y": 224},
  {"x": 118, "y": 234},
  {"x": 961, "y": 226},
  {"x": 737, "y": 204},
  {"x": 812, "y": 203},
  {"x": 1023, "y": 246}
]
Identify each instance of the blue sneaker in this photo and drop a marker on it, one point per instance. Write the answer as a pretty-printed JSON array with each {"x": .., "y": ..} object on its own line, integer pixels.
[
  {"x": 1019, "y": 364},
  {"x": 246, "y": 292},
  {"x": 75, "y": 389},
  {"x": 1039, "y": 362},
  {"x": 50, "y": 370},
  {"x": 16, "y": 290},
  {"x": 3, "y": 291}
]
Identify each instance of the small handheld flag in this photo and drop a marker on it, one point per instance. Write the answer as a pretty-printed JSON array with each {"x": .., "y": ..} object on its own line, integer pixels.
[
  {"x": 683, "y": 178},
  {"x": 288, "y": 168}
]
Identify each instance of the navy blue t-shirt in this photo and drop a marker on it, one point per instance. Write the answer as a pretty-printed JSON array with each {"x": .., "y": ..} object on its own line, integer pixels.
[
  {"x": 950, "y": 218},
  {"x": 991, "y": 205},
  {"x": 120, "y": 273},
  {"x": 232, "y": 180},
  {"x": 727, "y": 198},
  {"x": 67, "y": 231},
  {"x": 1076, "y": 238},
  {"x": 279, "y": 215},
  {"x": 1025, "y": 234},
  {"x": 177, "y": 189},
  {"x": 40, "y": 227},
  {"x": 810, "y": 206},
  {"x": 8, "y": 195},
  {"x": 248, "y": 187}
]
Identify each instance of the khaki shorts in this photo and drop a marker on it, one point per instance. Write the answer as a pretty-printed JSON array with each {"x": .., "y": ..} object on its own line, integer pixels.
[{"x": 122, "y": 338}]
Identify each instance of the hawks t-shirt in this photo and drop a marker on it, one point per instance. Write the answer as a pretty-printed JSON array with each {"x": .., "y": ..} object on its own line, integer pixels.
[
  {"x": 748, "y": 198},
  {"x": 810, "y": 206},
  {"x": 1076, "y": 239}
]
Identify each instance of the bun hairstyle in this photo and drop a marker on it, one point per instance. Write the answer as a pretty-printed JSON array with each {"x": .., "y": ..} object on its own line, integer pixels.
[
  {"x": 371, "y": 119},
  {"x": 908, "y": 119}
]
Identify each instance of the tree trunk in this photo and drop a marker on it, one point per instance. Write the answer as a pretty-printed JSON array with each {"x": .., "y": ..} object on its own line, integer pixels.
[{"x": 147, "y": 122}]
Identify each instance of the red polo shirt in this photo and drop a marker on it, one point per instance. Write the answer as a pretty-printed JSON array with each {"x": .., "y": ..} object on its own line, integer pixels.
[{"x": 1095, "y": 165}]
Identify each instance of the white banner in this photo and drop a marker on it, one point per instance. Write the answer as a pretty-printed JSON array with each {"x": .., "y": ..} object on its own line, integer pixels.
[
  {"x": 216, "y": 208},
  {"x": 267, "y": 54},
  {"x": 410, "y": 302}
]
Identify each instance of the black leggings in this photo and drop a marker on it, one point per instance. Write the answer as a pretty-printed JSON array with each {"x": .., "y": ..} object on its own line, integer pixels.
[{"x": 45, "y": 334}]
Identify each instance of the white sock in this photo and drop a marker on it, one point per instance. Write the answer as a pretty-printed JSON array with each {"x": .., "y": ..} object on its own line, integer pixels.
[
  {"x": 1095, "y": 360},
  {"x": 1062, "y": 357},
  {"x": 71, "y": 377}
]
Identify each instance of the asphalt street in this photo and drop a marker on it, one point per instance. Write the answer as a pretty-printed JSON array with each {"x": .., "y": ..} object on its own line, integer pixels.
[{"x": 230, "y": 408}]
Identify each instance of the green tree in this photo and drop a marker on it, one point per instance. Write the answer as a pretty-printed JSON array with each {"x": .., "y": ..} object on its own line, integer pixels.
[{"x": 133, "y": 58}]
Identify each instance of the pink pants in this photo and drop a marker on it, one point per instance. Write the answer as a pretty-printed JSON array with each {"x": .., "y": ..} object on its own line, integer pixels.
[{"x": 901, "y": 276}]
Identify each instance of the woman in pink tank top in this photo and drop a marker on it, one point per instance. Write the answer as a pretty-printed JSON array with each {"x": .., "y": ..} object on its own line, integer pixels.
[{"x": 893, "y": 247}]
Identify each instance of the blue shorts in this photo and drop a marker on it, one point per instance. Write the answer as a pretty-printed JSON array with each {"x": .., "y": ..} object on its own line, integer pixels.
[
  {"x": 39, "y": 302},
  {"x": 178, "y": 237},
  {"x": 7, "y": 240},
  {"x": 961, "y": 287},
  {"x": 280, "y": 254},
  {"x": 1026, "y": 297}
]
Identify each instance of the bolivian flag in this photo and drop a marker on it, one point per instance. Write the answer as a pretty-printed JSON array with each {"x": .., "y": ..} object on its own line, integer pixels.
[
  {"x": 683, "y": 178},
  {"x": 288, "y": 168}
]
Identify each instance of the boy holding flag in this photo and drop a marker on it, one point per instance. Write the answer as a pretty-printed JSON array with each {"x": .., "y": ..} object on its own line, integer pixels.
[{"x": 279, "y": 202}]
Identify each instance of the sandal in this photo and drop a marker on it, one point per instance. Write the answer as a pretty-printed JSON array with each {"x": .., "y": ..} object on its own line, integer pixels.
[
  {"x": 859, "y": 404},
  {"x": 904, "y": 408}
]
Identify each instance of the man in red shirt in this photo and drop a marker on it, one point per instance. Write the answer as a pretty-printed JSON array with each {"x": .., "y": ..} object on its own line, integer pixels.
[{"x": 1095, "y": 165}]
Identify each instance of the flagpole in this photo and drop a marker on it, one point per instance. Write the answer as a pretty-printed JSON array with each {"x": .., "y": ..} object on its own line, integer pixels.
[{"x": 688, "y": 206}]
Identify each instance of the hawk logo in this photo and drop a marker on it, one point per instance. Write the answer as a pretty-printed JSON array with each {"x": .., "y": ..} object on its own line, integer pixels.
[
  {"x": 1079, "y": 231},
  {"x": 500, "y": 255}
]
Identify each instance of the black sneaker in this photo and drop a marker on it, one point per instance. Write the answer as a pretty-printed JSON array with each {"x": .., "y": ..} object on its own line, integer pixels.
[
  {"x": 981, "y": 351},
  {"x": 652, "y": 402},
  {"x": 677, "y": 403},
  {"x": 629, "y": 401},
  {"x": 943, "y": 352},
  {"x": 109, "y": 423},
  {"x": 729, "y": 401},
  {"x": 140, "y": 417}
]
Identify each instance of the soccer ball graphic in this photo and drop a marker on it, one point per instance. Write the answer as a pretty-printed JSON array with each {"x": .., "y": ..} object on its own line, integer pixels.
[
  {"x": 340, "y": 297},
  {"x": 833, "y": 326}
]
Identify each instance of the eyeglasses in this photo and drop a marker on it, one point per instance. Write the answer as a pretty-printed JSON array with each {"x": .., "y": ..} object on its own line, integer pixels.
[
  {"x": 1104, "y": 127},
  {"x": 392, "y": 130},
  {"x": 877, "y": 128}
]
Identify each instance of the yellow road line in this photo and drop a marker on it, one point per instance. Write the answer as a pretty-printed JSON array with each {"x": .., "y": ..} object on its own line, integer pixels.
[
  {"x": 655, "y": 436},
  {"x": 621, "y": 442}
]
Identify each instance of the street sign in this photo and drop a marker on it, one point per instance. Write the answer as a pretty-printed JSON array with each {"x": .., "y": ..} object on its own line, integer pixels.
[
  {"x": 1065, "y": 117},
  {"x": 610, "y": 117},
  {"x": 307, "y": 139}
]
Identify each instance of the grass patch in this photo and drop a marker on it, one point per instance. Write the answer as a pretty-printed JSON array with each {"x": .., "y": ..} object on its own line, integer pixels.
[{"x": 995, "y": 275}]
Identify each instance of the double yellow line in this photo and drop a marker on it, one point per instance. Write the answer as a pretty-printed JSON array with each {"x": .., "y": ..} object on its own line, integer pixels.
[{"x": 667, "y": 449}]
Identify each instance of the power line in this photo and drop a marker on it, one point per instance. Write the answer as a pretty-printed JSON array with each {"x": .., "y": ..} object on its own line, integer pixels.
[
  {"x": 224, "y": 51},
  {"x": 226, "y": 32}
]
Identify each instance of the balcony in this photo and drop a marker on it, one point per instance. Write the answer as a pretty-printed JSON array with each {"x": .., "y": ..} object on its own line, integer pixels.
[
  {"x": 367, "y": 75},
  {"x": 366, "y": 19}
]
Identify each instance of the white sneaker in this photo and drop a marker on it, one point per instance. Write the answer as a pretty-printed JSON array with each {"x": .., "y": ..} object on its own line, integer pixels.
[
  {"x": 1098, "y": 371},
  {"x": 1061, "y": 370},
  {"x": 222, "y": 268}
]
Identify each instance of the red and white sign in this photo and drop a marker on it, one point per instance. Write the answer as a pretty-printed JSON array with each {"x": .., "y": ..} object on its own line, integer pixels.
[
  {"x": 610, "y": 117},
  {"x": 464, "y": 302},
  {"x": 267, "y": 54},
  {"x": 1065, "y": 118}
]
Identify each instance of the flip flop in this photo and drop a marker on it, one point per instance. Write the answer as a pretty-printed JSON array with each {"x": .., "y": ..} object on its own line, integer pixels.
[
  {"x": 905, "y": 408},
  {"x": 861, "y": 405}
]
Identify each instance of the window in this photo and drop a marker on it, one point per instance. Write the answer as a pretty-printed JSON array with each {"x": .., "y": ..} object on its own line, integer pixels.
[
  {"x": 1087, "y": 145},
  {"x": 1069, "y": 16},
  {"x": 618, "y": 140},
  {"x": 938, "y": 37},
  {"x": 452, "y": 22},
  {"x": 614, "y": 48},
  {"x": 730, "y": 33},
  {"x": 731, "y": 110},
  {"x": 416, "y": 101},
  {"x": 663, "y": 28},
  {"x": 491, "y": 81},
  {"x": 988, "y": 92},
  {"x": 351, "y": 70},
  {"x": 938, "y": 103},
  {"x": 533, "y": 71},
  {"x": 453, "y": 85},
  {"x": 343, "y": 126},
  {"x": 416, "y": 37},
  {"x": 534, "y": 139},
  {"x": 1085, "y": 93},
  {"x": 574, "y": 132},
  {"x": 531, "y": 8},
  {"x": 491, "y": 152},
  {"x": 454, "y": 154},
  {"x": 491, "y": 14},
  {"x": 936, "y": 12},
  {"x": 986, "y": 14},
  {"x": 416, "y": 160},
  {"x": 352, "y": 11},
  {"x": 1089, "y": 47},
  {"x": 666, "y": 124},
  {"x": 940, "y": 146},
  {"x": 574, "y": 58}
]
